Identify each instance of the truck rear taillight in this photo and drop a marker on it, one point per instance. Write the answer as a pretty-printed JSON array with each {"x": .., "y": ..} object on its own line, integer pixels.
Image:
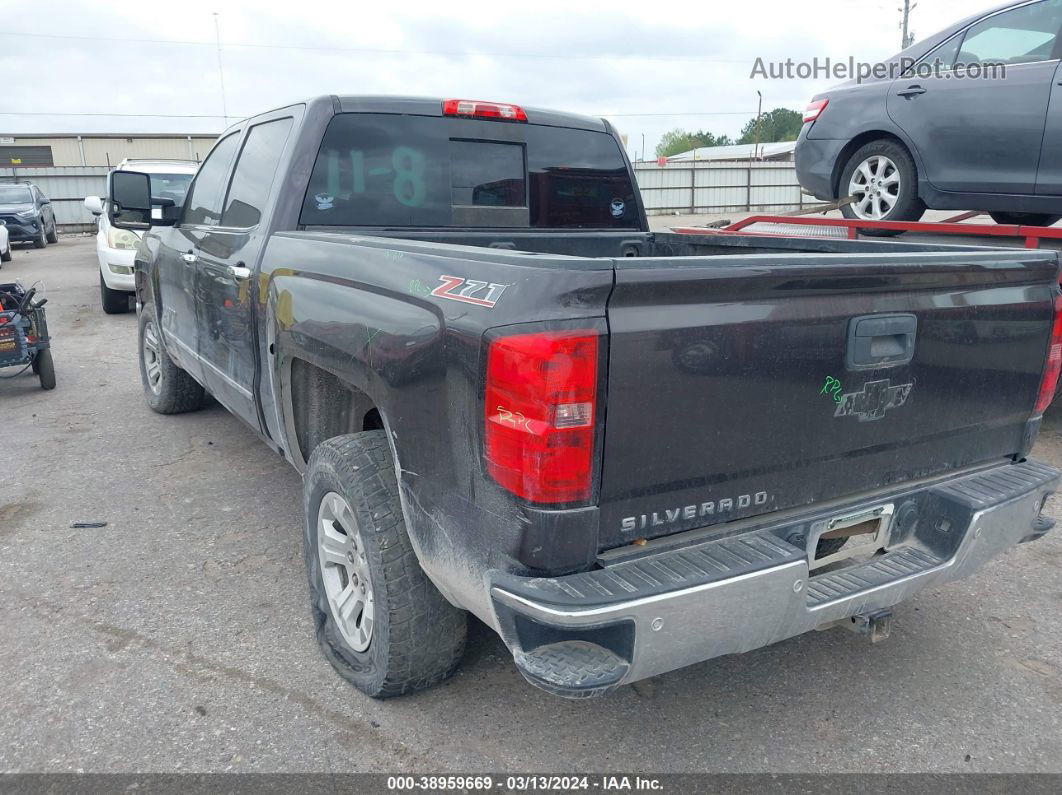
[
  {"x": 815, "y": 109},
  {"x": 477, "y": 109},
  {"x": 541, "y": 413},
  {"x": 1054, "y": 363}
]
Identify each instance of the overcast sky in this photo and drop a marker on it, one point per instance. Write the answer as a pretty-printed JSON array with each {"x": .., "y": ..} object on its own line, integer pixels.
[{"x": 649, "y": 67}]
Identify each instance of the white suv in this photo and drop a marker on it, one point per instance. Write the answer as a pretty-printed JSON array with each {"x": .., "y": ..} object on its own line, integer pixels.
[{"x": 116, "y": 248}]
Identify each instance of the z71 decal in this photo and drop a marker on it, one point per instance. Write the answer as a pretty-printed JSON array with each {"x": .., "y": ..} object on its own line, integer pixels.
[{"x": 470, "y": 291}]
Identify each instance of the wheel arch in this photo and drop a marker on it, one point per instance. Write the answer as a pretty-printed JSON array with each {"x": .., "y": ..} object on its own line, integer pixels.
[
  {"x": 319, "y": 405},
  {"x": 859, "y": 142}
]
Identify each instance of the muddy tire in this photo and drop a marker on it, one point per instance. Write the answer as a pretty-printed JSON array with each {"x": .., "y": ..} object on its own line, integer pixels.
[
  {"x": 380, "y": 621},
  {"x": 167, "y": 388}
]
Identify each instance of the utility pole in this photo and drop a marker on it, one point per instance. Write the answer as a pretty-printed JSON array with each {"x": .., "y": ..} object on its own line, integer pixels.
[
  {"x": 908, "y": 35},
  {"x": 221, "y": 71},
  {"x": 759, "y": 117}
]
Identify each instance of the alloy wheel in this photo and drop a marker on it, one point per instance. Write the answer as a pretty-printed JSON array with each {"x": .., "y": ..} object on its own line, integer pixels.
[
  {"x": 875, "y": 188},
  {"x": 345, "y": 571},
  {"x": 152, "y": 358}
]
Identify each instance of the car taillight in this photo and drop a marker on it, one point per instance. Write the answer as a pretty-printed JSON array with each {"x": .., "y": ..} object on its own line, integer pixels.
[
  {"x": 541, "y": 407},
  {"x": 1054, "y": 363},
  {"x": 815, "y": 109},
  {"x": 478, "y": 109}
]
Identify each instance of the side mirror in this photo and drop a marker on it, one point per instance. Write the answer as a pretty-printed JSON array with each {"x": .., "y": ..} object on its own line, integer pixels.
[
  {"x": 130, "y": 200},
  {"x": 94, "y": 204}
]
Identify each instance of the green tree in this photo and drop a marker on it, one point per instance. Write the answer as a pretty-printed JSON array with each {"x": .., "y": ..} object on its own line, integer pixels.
[
  {"x": 780, "y": 124},
  {"x": 677, "y": 141}
]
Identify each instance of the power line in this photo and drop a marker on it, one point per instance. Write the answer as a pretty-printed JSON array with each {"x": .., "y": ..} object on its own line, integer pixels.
[
  {"x": 372, "y": 51},
  {"x": 120, "y": 115}
]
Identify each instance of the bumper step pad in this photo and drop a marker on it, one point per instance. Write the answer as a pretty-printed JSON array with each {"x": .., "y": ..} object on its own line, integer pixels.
[
  {"x": 572, "y": 668},
  {"x": 693, "y": 566},
  {"x": 880, "y": 571}
]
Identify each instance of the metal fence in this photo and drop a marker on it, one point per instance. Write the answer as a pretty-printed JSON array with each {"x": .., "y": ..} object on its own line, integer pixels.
[
  {"x": 720, "y": 187},
  {"x": 690, "y": 187},
  {"x": 67, "y": 187}
]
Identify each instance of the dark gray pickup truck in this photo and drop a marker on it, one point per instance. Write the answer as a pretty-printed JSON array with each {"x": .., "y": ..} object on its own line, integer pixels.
[{"x": 625, "y": 452}]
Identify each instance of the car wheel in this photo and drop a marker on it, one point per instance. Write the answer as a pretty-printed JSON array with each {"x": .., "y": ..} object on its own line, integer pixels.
[
  {"x": 115, "y": 302},
  {"x": 882, "y": 181},
  {"x": 53, "y": 236},
  {"x": 41, "y": 240},
  {"x": 380, "y": 621},
  {"x": 5, "y": 255},
  {"x": 1026, "y": 219},
  {"x": 168, "y": 388},
  {"x": 45, "y": 369}
]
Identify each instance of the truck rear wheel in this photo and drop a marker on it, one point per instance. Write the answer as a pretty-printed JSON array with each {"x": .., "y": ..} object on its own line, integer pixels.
[
  {"x": 168, "y": 388},
  {"x": 380, "y": 621}
]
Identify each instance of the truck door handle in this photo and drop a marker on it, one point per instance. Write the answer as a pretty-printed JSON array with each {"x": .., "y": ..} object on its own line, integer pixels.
[
  {"x": 880, "y": 341},
  {"x": 190, "y": 257},
  {"x": 239, "y": 271},
  {"x": 911, "y": 91}
]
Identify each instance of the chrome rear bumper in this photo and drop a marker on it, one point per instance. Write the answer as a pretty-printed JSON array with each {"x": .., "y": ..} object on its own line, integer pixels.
[{"x": 584, "y": 634}]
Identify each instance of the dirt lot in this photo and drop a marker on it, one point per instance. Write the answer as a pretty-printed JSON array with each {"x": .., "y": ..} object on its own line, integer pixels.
[{"x": 177, "y": 638}]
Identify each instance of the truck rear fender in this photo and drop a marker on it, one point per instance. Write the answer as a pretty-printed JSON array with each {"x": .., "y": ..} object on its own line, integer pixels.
[{"x": 361, "y": 324}]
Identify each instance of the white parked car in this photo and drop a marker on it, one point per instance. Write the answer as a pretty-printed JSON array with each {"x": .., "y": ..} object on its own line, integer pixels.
[
  {"x": 116, "y": 248},
  {"x": 5, "y": 244}
]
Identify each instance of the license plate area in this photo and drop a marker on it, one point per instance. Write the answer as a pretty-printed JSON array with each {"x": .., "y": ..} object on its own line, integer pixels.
[{"x": 867, "y": 532}]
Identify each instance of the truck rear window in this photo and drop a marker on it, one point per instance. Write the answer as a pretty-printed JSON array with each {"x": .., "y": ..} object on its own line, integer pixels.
[{"x": 422, "y": 171}]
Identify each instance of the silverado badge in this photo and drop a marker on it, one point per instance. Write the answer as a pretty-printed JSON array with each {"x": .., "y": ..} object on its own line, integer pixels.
[{"x": 873, "y": 400}]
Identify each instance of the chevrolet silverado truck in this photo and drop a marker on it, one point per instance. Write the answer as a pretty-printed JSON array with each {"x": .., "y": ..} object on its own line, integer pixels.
[{"x": 625, "y": 452}]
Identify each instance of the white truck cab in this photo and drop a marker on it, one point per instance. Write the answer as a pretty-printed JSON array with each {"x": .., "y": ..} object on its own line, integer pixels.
[{"x": 116, "y": 248}]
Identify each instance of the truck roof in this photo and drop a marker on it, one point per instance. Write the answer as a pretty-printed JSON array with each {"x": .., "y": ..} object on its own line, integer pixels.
[{"x": 432, "y": 106}]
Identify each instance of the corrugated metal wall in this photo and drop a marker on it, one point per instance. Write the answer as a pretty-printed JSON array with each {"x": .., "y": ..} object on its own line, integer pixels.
[
  {"x": 111, "y": 150},
  {"x": 720, "y": 187},
  {"x": 67, "y": 187}
]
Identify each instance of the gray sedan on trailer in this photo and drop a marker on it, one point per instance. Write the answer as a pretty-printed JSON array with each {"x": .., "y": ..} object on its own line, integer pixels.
[{"x": 968, "y": 119}]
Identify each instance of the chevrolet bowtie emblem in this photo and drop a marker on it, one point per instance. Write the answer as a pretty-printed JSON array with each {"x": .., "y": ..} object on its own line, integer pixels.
[{"x": 873, "y": 400}]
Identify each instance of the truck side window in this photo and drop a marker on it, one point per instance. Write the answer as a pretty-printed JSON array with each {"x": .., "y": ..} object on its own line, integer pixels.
[
  {"x": 255, "y": 170},
  {"x": 208, "y": 189}
]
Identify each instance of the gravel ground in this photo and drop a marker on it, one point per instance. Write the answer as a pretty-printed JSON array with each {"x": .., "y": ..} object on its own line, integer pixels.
[{"x": 178, "y": 638}]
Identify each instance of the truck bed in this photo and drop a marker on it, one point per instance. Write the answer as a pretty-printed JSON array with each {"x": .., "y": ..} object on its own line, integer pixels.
[{"x": 728, "y": 393}]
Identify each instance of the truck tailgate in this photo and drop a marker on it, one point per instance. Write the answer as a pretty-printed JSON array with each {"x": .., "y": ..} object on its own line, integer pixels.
[{"x": 738, "y": 386}]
